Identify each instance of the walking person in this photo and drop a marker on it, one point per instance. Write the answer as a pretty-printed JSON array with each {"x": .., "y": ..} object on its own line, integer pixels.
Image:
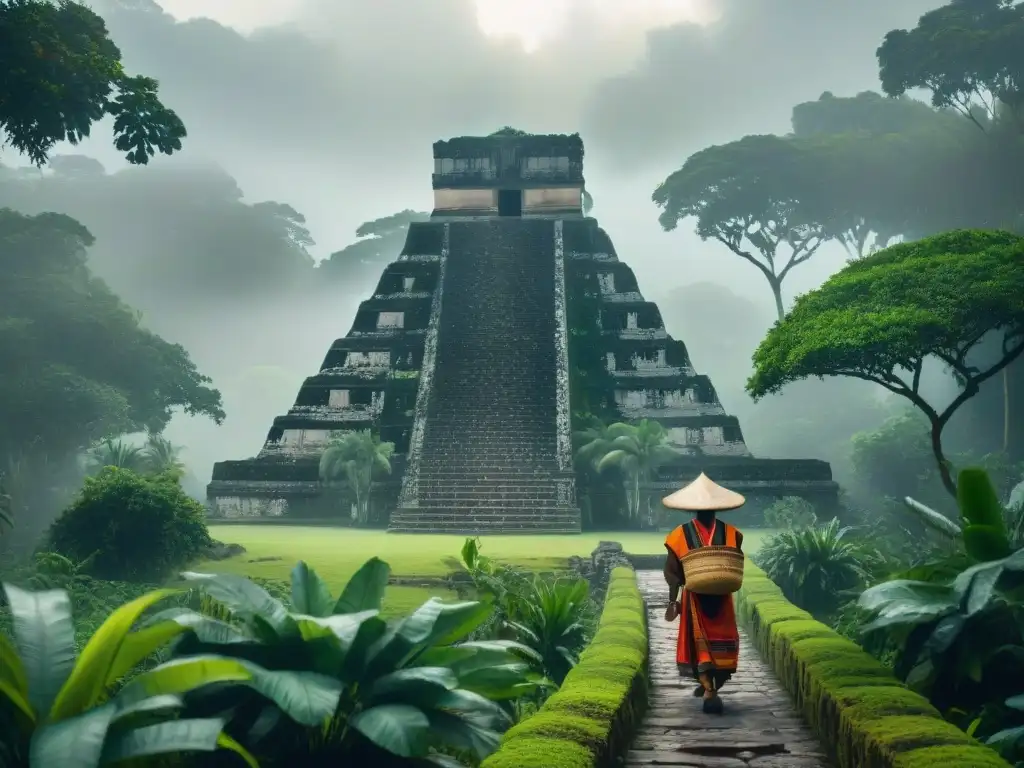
[{"x": 708, "y": 647}]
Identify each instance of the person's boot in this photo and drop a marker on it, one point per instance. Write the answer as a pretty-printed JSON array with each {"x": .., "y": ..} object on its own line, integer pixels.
[
  {"x": 698, "y": 691},
  {"x": 713, "y": 705}
]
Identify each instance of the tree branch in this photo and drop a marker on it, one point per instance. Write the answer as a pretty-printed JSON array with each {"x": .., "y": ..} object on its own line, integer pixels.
[
  {"x": 743, "y": 254},
  {"x": 974, "y": 384},
  {"x": 799, "y": 258}
]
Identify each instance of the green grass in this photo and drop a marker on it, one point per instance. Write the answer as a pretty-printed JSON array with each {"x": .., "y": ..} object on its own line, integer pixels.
[{"x": 336, "y": 553}]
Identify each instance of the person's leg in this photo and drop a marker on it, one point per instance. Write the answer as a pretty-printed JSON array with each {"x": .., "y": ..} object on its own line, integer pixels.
[{"x": 712, "y": 704}]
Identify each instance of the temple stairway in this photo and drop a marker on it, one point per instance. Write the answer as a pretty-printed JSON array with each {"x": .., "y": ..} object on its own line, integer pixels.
[
  {"x": 488, "y": 461},
  {"x": 760, "y": 728}
]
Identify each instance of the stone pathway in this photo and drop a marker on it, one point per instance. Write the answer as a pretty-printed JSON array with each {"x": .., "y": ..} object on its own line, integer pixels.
[{"x": 760, "y": 727}]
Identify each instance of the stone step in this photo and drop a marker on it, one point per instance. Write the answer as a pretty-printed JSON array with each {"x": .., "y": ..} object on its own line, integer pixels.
[
  {"x": 525, "y": 507},
  {"x": 431, "y": 469},
  {"x": 470, "y": 462},
  {"x": 498, "y": 489},
  {"x": 517, "y": 444},
  {"x": 546, "y": 520}
]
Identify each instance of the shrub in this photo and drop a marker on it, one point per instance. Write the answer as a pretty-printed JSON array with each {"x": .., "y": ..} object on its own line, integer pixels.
[
  {"x": 865, "y": 715},
  {"x": 130, "y": 527},
  {"x": 594, "y": 713},
  {"x": 814, "y": 566},
  {"x": 56, "y": 706},
  {"x": 790, "y": 513},
  {"x": 404, "y": 689}
]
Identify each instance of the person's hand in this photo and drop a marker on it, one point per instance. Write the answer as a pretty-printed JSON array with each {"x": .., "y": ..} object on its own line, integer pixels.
[{"x": 672, "y": 611}]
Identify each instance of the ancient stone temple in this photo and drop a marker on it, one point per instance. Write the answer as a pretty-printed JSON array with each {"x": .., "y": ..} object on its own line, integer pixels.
[{"x": 503, "y": 314}]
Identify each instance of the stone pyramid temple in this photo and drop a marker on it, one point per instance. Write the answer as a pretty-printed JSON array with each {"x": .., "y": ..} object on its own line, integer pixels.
[{"x": 504, "y": 314}]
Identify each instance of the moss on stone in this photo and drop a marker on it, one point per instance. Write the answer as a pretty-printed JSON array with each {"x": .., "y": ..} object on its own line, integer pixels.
[
  {"x": 794, "y": 630},
  {"x": 588, "y": 733},
  {"x": 612, "y": 656},
  {"x": 549, "y": 753},
  {"x": 973, "y": 756},
  {"x": 811, "y": 650},
  {"x": 596, "y": 699},
  {"x": 871, "y": 702}
]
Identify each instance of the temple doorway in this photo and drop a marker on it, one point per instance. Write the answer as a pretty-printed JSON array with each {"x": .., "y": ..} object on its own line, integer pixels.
[{"x": 510, "y": 202}]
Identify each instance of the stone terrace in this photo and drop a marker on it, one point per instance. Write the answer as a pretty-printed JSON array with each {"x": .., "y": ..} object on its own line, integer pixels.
[{"x": 760, "y": 727}]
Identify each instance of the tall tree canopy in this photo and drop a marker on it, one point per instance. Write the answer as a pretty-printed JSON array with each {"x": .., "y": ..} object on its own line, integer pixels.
[
  {"x": 882, "y": 317},
  {"x": 62, "y": 73},
  {"x": 749, "y": 195},
  {"x": 968, "y": 53},
  {"x": 380, "y": 242},
  {"x": 171, "y": 238},
  {"x": 77, "y": 365}
]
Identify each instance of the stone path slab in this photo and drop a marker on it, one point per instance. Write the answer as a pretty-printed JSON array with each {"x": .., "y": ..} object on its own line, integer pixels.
[{"x": 760, "y": 727}]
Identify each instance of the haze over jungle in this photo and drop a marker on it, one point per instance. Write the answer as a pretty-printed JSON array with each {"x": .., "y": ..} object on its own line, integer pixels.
[{"x": 328, "y": 110}]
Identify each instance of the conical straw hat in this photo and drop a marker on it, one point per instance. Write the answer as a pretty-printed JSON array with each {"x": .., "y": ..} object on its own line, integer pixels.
[{"x": 704, "y": 494}]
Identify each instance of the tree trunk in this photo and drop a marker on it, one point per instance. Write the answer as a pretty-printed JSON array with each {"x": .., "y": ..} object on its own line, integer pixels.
[
  {"x": 777, "y": 293},
  {"x": 636, "y": 495},
  {"x": 944, "y": 473},
  {"x": 1006, "y": 410}
]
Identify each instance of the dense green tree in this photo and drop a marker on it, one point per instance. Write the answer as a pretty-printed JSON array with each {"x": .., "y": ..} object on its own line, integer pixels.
[
  {"x": 883, "y": 316},
  {"x": 749, "y": 195},
  {"x": 78, "y": 366},
  {"x": 868, "y": 113},
  {"x": 380, "y": 242},
  {"x": 896, "y": 460},
  {"x": 62, "y": 73},
  {"x": 968, "y": 53},
  {"x": 172, "y": 238}
]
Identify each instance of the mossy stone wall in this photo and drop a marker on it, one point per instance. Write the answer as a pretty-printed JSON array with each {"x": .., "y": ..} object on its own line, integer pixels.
[
  {"x": 591, "y": 720},
  {"x": 864, "y": 715}
]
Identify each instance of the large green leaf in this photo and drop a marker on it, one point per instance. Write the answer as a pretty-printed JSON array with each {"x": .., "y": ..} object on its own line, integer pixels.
[
  {"x": 179, "y": 676},
  {"x": 1006, "y": 740},
  {"x": 18, "y": 698},
  {"x": 365, "y": 590},
  {"x": 418, "y": 686},
  {"x": 11, "y": 669},
  {"x": 475, "y": 709},
  {"x": 986, "y": 542},
  {"x": 205, "y": 628},
  {"x": 400, "y": 729},
  {"x": 76, "y": 742},
  {"x": 499, "y": 683},
  {"x": 306, "y": 697},
  {"x": 111, "y": 652},
  {"x": 469, "y": 656},
  {"x": 310, "y": 594},
  {"x": 455, "y": 731},
  {"x": 355, "y": 667},
  {"x": 345, "y": 627},
  {"x": 244, "y": 598},
  {"x": 189, "y": 735},
  {"x": 127, "y": 712},
  {"x": 45, "y": 637}
]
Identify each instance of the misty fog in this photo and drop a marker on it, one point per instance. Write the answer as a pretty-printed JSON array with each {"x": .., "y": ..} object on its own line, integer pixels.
[{"x": 328, "y": 110}]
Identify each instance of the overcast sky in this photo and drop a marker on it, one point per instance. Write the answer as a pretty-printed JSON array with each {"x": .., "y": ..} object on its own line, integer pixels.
[{"x": 332, "y": 105}]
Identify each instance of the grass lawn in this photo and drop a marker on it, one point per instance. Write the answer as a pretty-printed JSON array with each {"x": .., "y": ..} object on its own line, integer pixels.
[{"x": 336, "y": 553}]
